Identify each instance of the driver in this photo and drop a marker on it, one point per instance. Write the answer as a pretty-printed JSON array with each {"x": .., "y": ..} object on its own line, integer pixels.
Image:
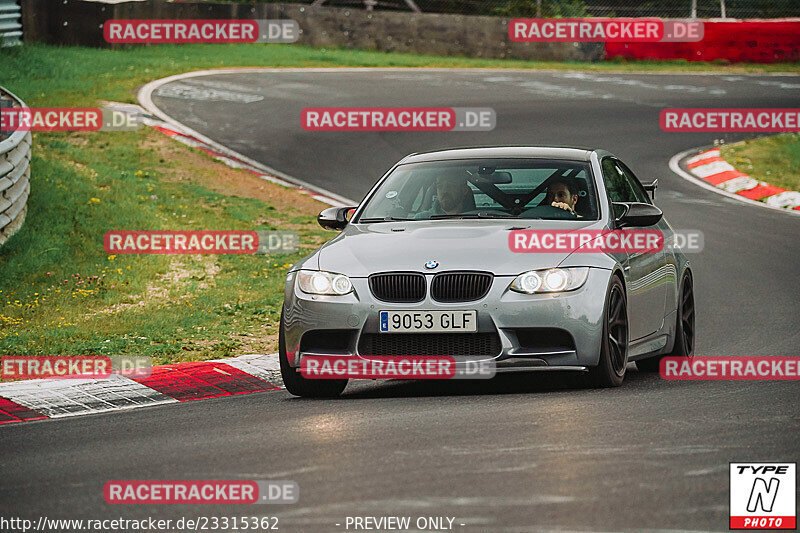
[
  {"x": 453, "y": 195},
  {"x": 562, "y": 194}
]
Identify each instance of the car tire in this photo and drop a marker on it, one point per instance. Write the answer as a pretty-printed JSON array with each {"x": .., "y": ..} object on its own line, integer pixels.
[
  {"x": 297, "y": 384},
  {"x": 610, "y": 371},
  {"x": 684, "y": 328}
]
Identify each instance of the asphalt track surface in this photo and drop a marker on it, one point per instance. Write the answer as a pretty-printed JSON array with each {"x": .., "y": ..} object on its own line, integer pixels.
[{"x": 527, "y": 453}]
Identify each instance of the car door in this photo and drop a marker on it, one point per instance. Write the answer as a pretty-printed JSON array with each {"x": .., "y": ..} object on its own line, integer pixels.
[{"x": 646, "y": 271}]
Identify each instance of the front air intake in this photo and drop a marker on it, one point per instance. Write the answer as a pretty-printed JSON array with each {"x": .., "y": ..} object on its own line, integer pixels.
[{"x": 430, "y": 344}]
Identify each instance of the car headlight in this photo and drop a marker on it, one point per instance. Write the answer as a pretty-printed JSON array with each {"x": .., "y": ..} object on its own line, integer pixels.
[
  {"x": 550, "y": 280},
  {"x": 320, "y": 282}
]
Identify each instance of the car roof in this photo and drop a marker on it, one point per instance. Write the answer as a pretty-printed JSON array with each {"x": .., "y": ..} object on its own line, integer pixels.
[{"x": 533, "y": 152}]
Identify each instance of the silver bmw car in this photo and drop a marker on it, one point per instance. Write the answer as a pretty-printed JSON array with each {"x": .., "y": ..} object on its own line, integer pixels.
[{"x": 424, "y": 266}]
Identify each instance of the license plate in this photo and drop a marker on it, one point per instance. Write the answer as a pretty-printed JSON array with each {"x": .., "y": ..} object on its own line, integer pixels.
[{"x": 428, "y": 321}]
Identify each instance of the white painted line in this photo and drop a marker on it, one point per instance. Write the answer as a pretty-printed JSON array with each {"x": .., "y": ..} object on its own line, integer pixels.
[
  {"x": 145, "y": 97},
  {"x": 674, "y": 165},
  {"x": 742, "y": 183},
  {"x": 709, "y": 169},
  {"x": 784, "y": 200},
  {"x": 705, "y": 155},
  {"x": 264, "y": 366},
  {"x": 56, "y": 398}
]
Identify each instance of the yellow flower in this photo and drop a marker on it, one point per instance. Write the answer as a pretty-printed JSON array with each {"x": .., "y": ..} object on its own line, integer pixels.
[
  {"x": 112, "y": 257},
  {"x": 94, "y": 201}
]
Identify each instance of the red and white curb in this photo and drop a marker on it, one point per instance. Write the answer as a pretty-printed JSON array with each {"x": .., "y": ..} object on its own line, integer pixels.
[
  {"x": 235, "y": 162},
  {"x": 56, "y": 398},
  {"x": 710, "y": 170},
  {"x": 222, "y": 152}
]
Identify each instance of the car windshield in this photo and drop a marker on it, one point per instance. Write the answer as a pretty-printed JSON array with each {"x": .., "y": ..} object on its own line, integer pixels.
[{"x": 492, "y": 188}]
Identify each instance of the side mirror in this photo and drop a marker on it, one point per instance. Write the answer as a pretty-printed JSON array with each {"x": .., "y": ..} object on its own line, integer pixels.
[
  {"x": 335, "y": 218},
  {"x": 651, "y": 188},
  {"x": 636, "y": 214}
]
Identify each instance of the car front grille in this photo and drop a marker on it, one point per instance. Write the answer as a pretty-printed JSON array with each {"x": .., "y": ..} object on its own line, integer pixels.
[
  {"x": 447, "y": 287},
  {"x": 429, "y": 344},
  {"x": 460, "y": 286},
  {"x": 401, "y": 287}
]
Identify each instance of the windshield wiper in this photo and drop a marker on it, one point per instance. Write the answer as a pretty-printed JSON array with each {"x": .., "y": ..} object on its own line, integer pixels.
[
  {"x": 471, "y": 215},
  {"x": 383, "y": 219}
]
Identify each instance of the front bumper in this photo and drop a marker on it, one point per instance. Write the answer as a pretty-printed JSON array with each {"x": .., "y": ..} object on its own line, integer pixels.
[{"x": 575, "y": 318}]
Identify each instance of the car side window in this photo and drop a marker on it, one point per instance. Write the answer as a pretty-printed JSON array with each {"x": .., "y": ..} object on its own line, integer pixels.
[
  {"x": 633, "y": 183},
  {"x": 616, "y": 183}
]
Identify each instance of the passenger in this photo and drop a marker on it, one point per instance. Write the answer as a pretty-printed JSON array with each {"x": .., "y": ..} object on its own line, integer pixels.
[{"x": 562, "y": 193}]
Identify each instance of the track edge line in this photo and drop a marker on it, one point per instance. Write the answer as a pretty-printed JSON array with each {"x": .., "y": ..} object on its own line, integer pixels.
[
  {"x": 144, "y": 96},
  {"x": 674, "y": 166}
]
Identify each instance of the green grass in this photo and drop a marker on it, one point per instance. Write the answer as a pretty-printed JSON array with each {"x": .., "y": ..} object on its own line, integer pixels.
[
  {"x": 60, "y": 293},
  {"x": 47, "y": 75},
  {"x": 774, "y": 159}
]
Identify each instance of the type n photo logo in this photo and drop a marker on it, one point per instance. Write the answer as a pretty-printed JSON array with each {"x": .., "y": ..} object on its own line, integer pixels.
[{"x": 763, "y": 496}]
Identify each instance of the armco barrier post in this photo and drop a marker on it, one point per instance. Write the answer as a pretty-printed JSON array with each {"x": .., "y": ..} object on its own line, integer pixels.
[
  {"x": 10, "y": 24},
  {"x": 15, "y": 158}
]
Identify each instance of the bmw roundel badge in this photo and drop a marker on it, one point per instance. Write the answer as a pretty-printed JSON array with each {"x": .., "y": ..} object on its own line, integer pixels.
[{"x": 430, "y": 265}]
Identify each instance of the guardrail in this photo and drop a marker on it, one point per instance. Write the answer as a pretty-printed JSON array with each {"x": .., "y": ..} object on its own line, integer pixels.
[
  {"x": 10, "y": 25},
  {"x": 15, "y": 173}
]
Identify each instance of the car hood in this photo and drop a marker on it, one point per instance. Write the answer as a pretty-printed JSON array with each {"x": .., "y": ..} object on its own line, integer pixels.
[{"x": 364, "y": 249}]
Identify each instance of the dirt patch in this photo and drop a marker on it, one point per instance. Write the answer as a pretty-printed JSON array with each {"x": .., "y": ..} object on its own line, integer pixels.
[
  {"x": 76, "y": 139},
  {"x": 160, "y": 290},
  {"x": 255, "y": 342},
  {"x": 191, "y": 166},
  {"x": 280, "y": 223}
]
